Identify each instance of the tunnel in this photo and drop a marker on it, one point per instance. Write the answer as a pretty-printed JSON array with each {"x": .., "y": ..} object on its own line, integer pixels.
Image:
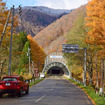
[
  {"x": 56, "y": 68},
  {"x": 55, "y": 71}
]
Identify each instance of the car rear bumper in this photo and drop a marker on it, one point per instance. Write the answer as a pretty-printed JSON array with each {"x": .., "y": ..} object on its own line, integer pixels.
[{"x": 9, "y": 91}]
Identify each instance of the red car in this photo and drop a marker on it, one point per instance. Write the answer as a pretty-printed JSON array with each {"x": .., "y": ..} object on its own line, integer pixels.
[{"x": 13, "y": 84}]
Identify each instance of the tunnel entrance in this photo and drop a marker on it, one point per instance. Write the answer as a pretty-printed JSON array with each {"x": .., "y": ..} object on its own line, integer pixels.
[{"x": 55, "y": 71}]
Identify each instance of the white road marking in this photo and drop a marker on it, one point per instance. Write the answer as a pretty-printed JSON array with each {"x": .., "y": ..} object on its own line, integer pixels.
[
  {"x": 51, "y": 89},
  {"x": 40, "y": 98}
]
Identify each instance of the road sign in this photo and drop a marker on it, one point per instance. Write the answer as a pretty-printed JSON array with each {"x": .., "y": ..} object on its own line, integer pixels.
[
  {"x": 70, "y": 48},
  {"x": 55, "y": 56},
  {"x": 36, "y": 74}
]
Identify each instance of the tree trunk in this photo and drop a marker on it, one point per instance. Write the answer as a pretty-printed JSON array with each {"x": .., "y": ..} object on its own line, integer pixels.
[
  {"x": 101, "y": 77},
  {"x": 97, "y": 84},
  {"x": 91, "y": 77},
  {"x": 102, "y": 73}
]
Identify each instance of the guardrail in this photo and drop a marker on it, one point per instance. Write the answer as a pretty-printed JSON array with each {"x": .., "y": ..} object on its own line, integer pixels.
[
  {"x": 75, "y": 80},
  {"x": 31, "y": 80},
  {"x": 97, "y": 91}
]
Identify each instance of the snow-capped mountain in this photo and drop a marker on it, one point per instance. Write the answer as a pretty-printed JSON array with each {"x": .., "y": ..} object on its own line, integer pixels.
[{"x": 50, "y": 11}]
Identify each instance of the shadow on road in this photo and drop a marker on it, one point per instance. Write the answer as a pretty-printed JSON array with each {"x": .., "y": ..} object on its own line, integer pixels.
[{"x": 12, "y": 95}]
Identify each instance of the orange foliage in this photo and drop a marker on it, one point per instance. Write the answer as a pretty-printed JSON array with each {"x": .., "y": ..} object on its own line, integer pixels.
[
  {"x": 96, "y": 22},
  {"x": 37, "y": 53},
  {"x": 3, "y": 17}
]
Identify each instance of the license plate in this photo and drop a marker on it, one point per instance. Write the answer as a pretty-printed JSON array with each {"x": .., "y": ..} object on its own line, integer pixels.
[{"x": 7, "y": 84}]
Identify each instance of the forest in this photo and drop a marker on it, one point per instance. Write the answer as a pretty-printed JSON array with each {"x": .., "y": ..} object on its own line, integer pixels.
[
  {"x": 21, "y": 42},
  {"x": 88, "y": 32}
]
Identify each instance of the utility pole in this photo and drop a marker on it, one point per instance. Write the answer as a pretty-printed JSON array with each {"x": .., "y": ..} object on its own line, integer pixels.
[
  {"x": 20, "y": 10},
  {"x": 28, "y": 54},
  {"x": 33, "y": 67},
  {"x": 85, "y": 67},
  {"x": 20, "y": 13},
  {"x": 84, "y": 72},
  {"x": 70, "y": 48},
  {"x": 9, "y": 70},
  {"x": 29, "y": 60},
  {"x": 5, "y": 26}
]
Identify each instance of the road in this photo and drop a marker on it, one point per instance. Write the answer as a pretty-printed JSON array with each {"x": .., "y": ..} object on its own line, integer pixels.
[{"x": 50, "y": 92}]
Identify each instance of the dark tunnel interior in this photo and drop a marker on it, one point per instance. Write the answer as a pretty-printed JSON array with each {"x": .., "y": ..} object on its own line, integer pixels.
[{"x": 55, "y": 71}]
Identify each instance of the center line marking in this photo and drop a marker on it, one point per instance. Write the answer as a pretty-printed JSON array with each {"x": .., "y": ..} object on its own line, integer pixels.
[
  {"x": 52, "y": 89},
  {"x": 40, "y": 99}
]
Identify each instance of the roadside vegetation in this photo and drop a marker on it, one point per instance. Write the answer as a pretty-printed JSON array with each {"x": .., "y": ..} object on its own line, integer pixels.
[
  {"x": 88, "y": 32},
  {"x": 90, "y": 91},
  {"x": 21, "y": 43},
  {"x": 35, "y": 82}
]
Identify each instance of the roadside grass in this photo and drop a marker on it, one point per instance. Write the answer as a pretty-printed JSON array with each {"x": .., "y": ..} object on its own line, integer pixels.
[
  {"x": 90, "y": 91},
  {"x": 36, "y": 81}
]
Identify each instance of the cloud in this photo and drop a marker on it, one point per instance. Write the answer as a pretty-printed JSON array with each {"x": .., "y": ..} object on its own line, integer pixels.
[{"x": 61, "y": 4}]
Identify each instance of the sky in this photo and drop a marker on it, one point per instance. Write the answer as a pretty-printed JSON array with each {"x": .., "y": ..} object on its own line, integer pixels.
[{"x": 56, "y": 4}]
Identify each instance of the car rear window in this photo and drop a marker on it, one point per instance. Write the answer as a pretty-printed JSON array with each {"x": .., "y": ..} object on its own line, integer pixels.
[{"x": 9, "y": 79}]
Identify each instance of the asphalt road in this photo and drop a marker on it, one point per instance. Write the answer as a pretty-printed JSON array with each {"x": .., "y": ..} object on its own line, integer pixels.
[{"x": 50, "y": 92}]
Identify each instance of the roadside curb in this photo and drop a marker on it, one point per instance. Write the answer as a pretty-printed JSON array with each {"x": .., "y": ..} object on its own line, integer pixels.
[
  {"x": 88, "y": 96},
  {"x": 83, "y": 91},
  {"x": 35, "y": 83}
]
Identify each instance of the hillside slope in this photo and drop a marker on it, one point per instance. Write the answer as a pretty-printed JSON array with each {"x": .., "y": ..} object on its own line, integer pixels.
[
  {"x": 53, "y": 36},
  {"x": 36, "y": 18}
]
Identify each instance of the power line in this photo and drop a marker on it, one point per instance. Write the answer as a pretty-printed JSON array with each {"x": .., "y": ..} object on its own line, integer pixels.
[
  {"x": 8, "y": 6},
  {"x": 9, "y": 2},
  {"x": 14, "y": 2}
]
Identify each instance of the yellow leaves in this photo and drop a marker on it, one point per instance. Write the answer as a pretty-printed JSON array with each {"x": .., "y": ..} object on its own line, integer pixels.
[
  {"x": 3, "y": 17},
  {"x": 2, "y": 4},
  {"x": 95, "y": 21},
  {"x": 38, "y": 54},
  {"x": 18, "y": 53},
  {"x": 77, "y": 71}
]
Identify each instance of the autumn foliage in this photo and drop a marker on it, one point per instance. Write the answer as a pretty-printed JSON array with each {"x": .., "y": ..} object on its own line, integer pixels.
[
  {"x": 89, "y": 32},
  {"x": 3, "y": 17},
  {"x": 53, "y": 36},
  {"x": 96, "y": 22},
  {"x": 5, "y": 45},
  {"x": 37, "y": 53}
]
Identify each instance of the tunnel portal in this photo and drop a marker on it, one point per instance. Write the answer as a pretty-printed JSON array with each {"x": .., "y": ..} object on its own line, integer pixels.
[
  {"x": 55, "y": 64},
  {"x": 56, "y": 68},
  {"x": 55, "y": 71}
]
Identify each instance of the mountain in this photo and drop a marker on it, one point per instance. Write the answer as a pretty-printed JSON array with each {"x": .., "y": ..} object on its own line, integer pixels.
[
  {"x": 34, "y": 19},
  {"x": 49, "y": 11},
  {"x": 53, "y": 36}
]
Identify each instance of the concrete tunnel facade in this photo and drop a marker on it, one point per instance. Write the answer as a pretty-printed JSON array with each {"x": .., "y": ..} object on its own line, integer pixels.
[
  {"x": 56, "y": 68},
  {"x": 56, "y": 64}
]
